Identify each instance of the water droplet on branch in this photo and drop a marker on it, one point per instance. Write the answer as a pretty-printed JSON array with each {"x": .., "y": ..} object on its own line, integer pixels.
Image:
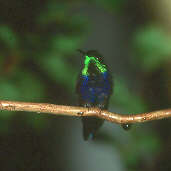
[{"x": 126, "y": 126}]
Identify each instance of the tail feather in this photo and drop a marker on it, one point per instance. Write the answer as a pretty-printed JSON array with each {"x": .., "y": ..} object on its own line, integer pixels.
[{"x": 90, "y": 126}]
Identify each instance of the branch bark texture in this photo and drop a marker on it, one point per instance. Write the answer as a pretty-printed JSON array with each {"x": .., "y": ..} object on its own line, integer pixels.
[{"x": 81, "y": 112}]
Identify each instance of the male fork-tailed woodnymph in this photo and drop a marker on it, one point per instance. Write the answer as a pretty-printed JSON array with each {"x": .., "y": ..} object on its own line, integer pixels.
[{"x": 94, "y": 88}]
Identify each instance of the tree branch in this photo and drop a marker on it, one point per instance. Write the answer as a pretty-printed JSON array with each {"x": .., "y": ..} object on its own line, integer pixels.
[{"x": 81, "y": 112}]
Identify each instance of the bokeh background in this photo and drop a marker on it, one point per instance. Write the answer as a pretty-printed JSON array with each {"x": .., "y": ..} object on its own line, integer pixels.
[{"x": 39, "y": 63}]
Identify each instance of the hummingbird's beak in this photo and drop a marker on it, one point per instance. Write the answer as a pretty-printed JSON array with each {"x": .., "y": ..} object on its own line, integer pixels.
[{"x": 81, "y": 51}]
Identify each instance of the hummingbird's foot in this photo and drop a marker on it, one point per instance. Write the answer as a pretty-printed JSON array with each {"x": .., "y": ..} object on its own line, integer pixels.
[
  {"x": 101, "y": 106},
  {"x": 88, "y": 105}
]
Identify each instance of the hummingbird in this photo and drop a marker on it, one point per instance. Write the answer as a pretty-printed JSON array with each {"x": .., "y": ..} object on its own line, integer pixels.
[{"x": 94, "y": 88}]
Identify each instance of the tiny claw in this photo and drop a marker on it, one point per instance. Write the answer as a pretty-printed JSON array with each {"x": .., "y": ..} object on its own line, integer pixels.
[
  {"x": 87, "y": 105},
  {"x": 126, "y": 127},
  {"x": 101, "y": 106}
]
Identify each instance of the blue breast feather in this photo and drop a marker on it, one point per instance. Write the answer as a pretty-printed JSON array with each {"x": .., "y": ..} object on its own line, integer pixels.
[{"x": 95, "y": 90}]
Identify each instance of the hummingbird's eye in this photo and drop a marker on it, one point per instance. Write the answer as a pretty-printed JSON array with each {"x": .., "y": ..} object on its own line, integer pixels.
[{"x": 99, "y": 58}]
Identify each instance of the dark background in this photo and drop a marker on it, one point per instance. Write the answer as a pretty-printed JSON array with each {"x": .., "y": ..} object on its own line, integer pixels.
[{"x": 39, "y": 63}]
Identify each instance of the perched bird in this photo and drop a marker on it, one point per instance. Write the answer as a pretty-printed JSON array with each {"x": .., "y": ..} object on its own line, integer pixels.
[{"x": 94, "y": 88}]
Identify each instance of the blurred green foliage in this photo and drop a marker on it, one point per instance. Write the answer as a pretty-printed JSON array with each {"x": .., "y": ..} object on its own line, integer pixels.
[
  {"x": 8, "y": 37},
  {"x": 111, "y": 5},
  {"x": 55, "y": 37},
  {"x": 152, "y": 46},
  {"x": 54, "y": 66},
  {"x": 147, "y": 144},
  {"x": 126, "y": 99}
]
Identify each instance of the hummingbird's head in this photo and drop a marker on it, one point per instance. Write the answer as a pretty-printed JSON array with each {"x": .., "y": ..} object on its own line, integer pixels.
[
  {"x": 96, "y": 55},
  {"x": 93, "y": 63}
]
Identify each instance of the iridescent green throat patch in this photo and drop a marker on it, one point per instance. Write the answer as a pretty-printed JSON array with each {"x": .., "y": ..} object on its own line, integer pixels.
[{"x": 99, "y": 65}]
